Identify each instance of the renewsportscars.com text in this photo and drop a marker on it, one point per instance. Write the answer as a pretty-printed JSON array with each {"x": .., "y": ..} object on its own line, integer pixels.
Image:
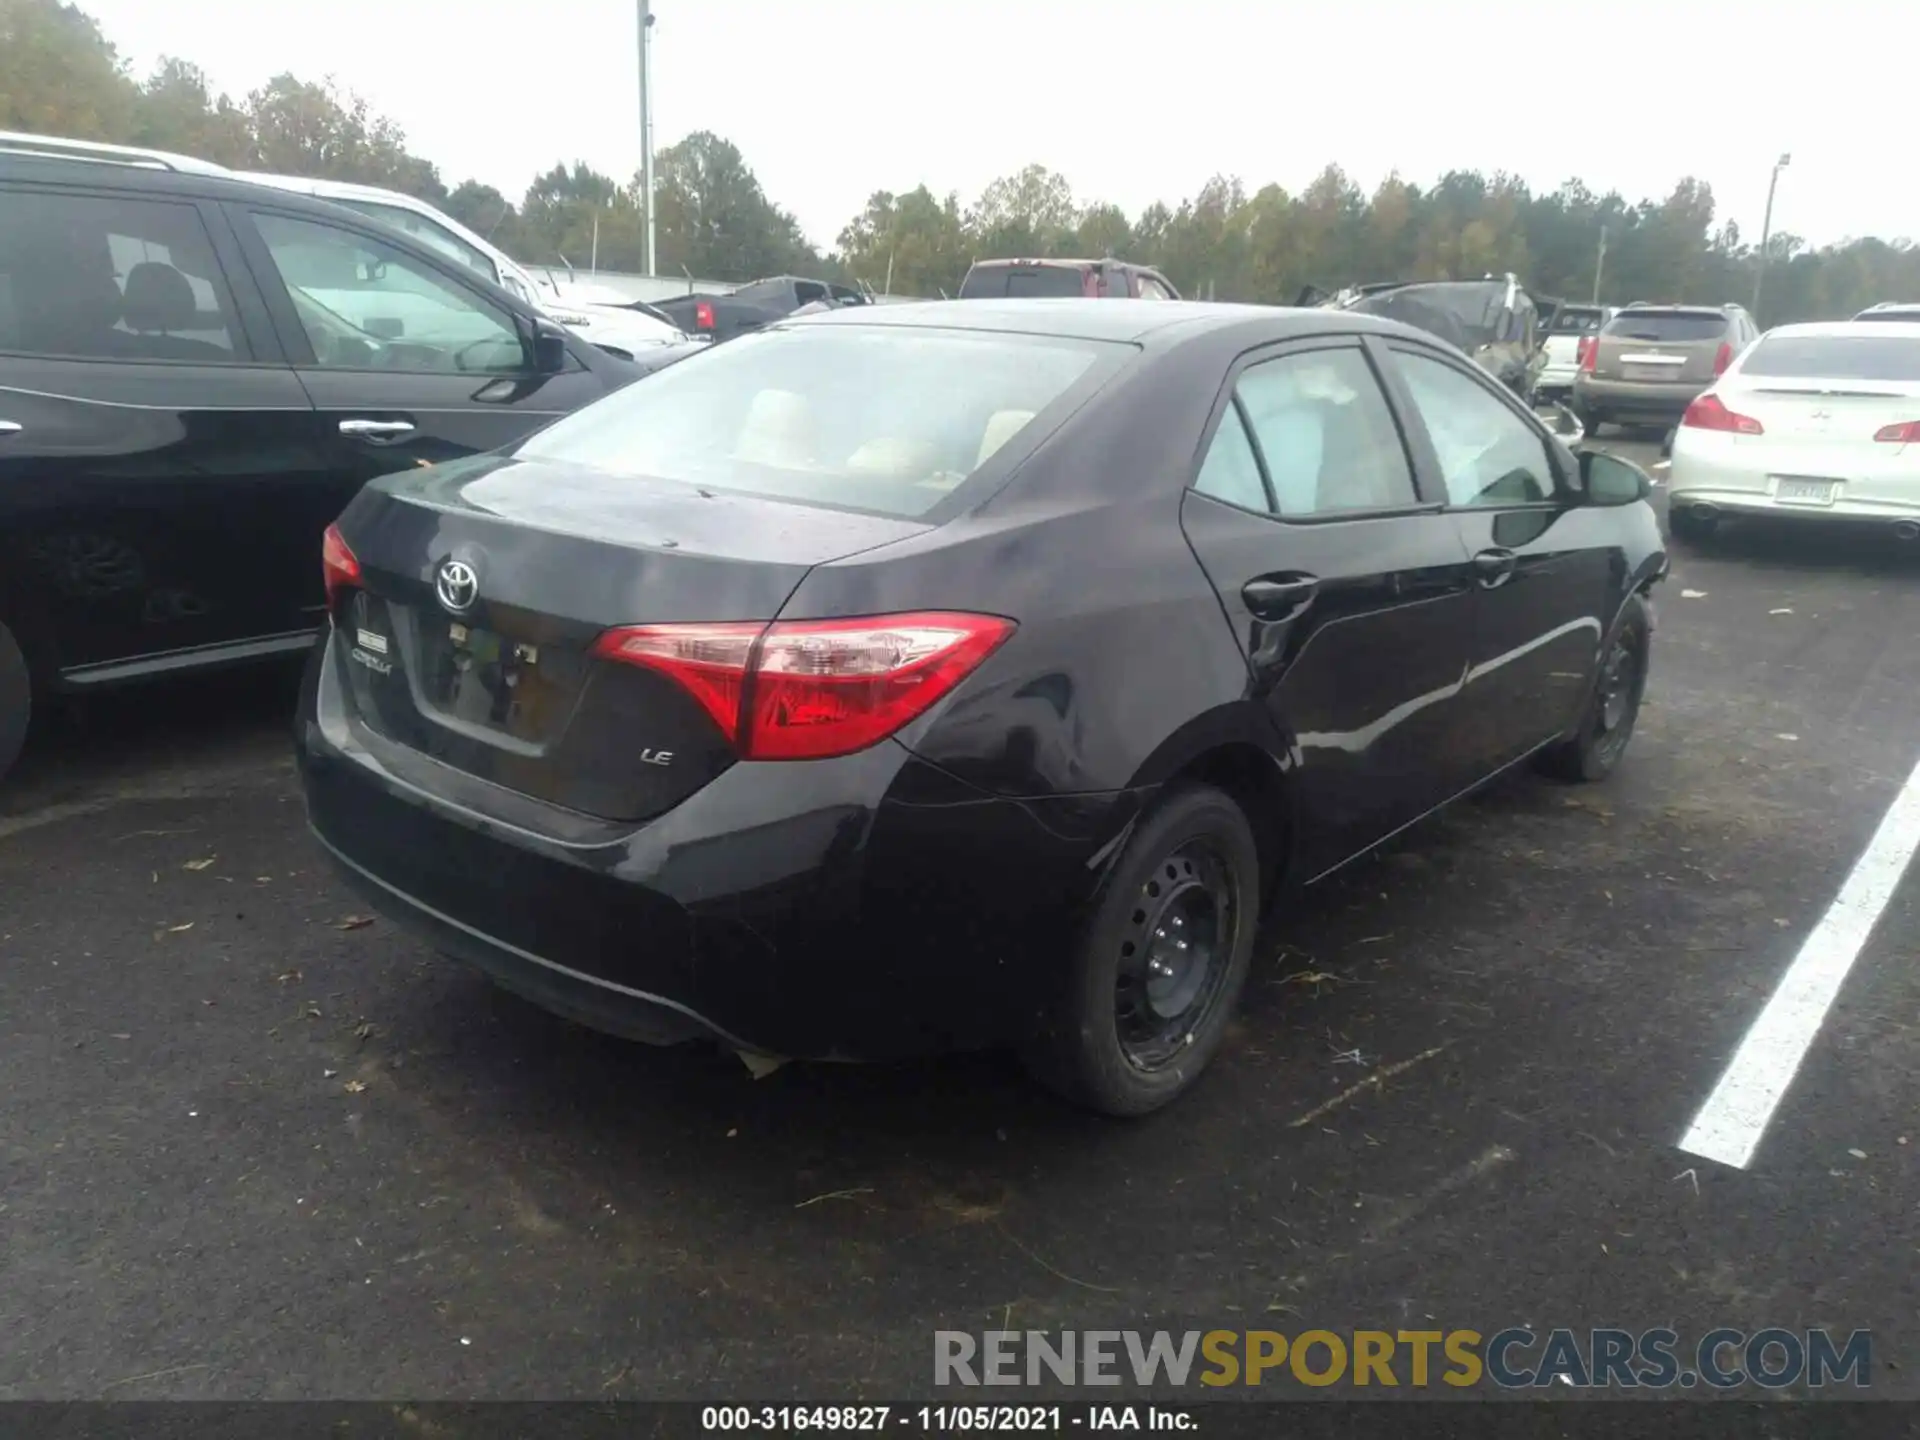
[{"x": 1514, "y": 1358}]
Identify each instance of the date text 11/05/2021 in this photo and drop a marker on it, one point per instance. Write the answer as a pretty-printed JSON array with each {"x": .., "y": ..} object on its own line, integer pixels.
[
  {"x": 943, "y": 1419},
  {"x": 1518, "y": 1357}
]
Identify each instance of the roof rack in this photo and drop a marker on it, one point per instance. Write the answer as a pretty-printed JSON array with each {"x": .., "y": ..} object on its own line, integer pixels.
[{"x": 54, "y": 147}]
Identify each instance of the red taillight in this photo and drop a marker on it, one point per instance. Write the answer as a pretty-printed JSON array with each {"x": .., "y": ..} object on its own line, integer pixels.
[
  {"x": 1907, "y": 432},
  {"x": 702, "y": 315},
  {"x": 1707, "y": 413},
  {"x": 813, "y": 689},
  {"x": 1589, "y": 352},
  {"x": 1722, "y": 358},
  {"x": 337, "y": 565}
]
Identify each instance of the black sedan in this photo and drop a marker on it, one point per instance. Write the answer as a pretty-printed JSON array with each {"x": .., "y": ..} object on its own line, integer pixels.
[{"x": 929, "y": 676}]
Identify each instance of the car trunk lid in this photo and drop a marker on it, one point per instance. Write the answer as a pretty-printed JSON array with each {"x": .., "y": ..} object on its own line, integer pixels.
[{"x": 469, "y": 634}]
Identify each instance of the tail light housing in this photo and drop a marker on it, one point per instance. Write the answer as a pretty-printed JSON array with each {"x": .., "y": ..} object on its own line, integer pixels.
[
  {"x": 813, "y": 689},
  {"x": 702, "y": 315},
  {"x": 1722, "y": 358},
  {"x": 1588, "y": 352},
  {"x": 338, "y": 567},
  {"x": 1710, "y": 413},
  {"x": 1907, "y": 432}
]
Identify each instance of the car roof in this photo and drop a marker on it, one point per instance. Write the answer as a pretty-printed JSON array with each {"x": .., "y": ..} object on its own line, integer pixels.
[{"x": 1140, "y": 322}]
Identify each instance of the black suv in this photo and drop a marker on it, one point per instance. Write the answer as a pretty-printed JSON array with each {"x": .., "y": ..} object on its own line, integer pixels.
[{"x": 196, "y": 376}]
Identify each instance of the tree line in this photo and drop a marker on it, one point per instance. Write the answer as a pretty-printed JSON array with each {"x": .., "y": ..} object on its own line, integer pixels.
[{"x": 59, "y": 74}]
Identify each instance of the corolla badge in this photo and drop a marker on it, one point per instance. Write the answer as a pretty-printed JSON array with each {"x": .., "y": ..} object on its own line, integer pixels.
[{"x": 457, "y": 586}]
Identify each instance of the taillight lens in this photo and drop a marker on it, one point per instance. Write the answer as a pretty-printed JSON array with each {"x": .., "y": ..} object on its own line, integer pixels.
[
  {"x": 337, "y": 564},
  {"x": 702, "y": 315},
  {"x": 1708, "y": 413},
  {"x": 1905, "y": 433},
  {"x": 1589, "y": 353},
  {"x": 1722, "y": 358},
  {"x": 813, "y": 689}
]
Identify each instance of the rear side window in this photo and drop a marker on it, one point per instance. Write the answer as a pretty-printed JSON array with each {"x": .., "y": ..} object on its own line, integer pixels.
[
  {"x": 1672, "y": 327},
  {"x": 99, "y": 278},
  {"x": 1892, "y": 358},
  {"x": 881, "y": 418}
]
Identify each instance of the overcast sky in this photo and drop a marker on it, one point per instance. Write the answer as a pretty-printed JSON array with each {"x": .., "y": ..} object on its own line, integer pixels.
[{"x": 830, "y": 100}]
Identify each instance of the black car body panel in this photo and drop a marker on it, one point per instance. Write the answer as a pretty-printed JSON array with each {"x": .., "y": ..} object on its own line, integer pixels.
[
  {"x": 162, "y": 499},
  {"x": 921, "y": 892}
]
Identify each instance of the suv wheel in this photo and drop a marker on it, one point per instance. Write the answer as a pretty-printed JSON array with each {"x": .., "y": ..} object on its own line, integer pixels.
[
  {"x": 16, "y": 700},
  {"x": 1161, "y": 962}
]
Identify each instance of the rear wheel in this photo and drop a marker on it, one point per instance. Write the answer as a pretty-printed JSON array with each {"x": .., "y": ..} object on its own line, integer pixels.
[
  {"x": 1161, "y": 962},
  {"x": 16, "y": 700},
  {"x": 1605, "y": 729}
]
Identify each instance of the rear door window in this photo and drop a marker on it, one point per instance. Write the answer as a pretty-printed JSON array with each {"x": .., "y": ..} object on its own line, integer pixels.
[
  {"x": 1325, "y": 434},
  {"x": 1671, "y": 327},
  {"x": 111, "y": 278}
]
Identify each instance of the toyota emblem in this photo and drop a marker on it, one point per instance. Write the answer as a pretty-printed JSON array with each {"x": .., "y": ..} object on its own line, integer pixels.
[{"x": 457, "y": 586}]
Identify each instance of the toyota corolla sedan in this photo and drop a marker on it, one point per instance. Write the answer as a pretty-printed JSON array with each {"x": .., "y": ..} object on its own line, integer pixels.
[
  {"x": 1816, "y": 422},
  {"x": 938, "y": 676}
]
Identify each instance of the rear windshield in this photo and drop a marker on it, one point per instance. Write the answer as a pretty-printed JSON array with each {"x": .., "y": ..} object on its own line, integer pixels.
[
  {"x": 1672, "y": 326},
  {"x": 1003, "y": 281},
  {"x": 1835, "y": 357},
  {"x": 888, "y": 419},
  {"x": 1575, "y": 320},
  {"x": 1902, "y": 315}
]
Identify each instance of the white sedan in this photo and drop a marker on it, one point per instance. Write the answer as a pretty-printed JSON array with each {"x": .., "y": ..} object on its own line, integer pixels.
[{"x": 1811, "y": 422}]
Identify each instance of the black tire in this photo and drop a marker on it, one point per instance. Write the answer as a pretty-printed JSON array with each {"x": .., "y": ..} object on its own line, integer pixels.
[
  {"x": 1143, "y": 1010},
  {"x": 1614, "y": 707},
  {"x": 16, "y": 700},
  {"x": 1691, "y": 528},
  {"x": 1590, "y": 421}
]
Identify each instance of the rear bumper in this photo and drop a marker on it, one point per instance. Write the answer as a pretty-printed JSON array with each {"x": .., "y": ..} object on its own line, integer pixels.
[
  {"x": 1733, "y": 475},
  {"x": 861, "y": 908},
  {"x": 1650, "y": 401}
]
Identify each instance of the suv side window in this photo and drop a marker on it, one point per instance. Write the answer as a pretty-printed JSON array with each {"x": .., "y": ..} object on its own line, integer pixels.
[
  {"x": 97, "y": 277},
  {"x": 1152, "y": 289},
  {"x": 1488, "y": 455},
  {"x": 366, "y": 306},
  {"x": 1325, "y": 435}
]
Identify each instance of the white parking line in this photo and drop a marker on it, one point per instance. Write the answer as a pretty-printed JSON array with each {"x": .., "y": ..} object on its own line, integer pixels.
[{"x": 1735, "y": 1117}]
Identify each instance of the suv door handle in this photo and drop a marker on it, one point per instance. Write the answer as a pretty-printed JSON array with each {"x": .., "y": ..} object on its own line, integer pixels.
[
  {"x": 9, "y": 427},
  {"x": 377, "y": 432},
  {"x": 1494, "y": 567},
  {"x": 1278, "y": 597}
]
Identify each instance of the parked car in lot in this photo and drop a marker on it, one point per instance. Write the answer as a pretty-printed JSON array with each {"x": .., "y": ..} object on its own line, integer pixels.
[
  {"x": 1562, "y": 336},
  {"x": 1816, "y": 422},
  {"x": 754, "y": 306},
  {"x": 945, "y": 675},
  {"x": 1648, "y": 363},
  {"x": 1094, "y": 279},
  {"x": 1898, "y": 313},
  {"x": 196, "y": 375}
]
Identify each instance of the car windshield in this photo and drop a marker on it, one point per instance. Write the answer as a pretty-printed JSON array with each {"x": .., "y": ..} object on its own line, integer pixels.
[
  {"x": 1575, "y": 320},
  {"x": 1670, "y": 326},
  {"x": 1893, "y": 358},
  {"x": 879, "y": 418},
  {"x": 421, "y": 228}
]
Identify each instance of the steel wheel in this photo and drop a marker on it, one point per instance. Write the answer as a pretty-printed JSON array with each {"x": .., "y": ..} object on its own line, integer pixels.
[
  {"x": 1617, "y": 701},
  {"x": 1173, "y": 955}
]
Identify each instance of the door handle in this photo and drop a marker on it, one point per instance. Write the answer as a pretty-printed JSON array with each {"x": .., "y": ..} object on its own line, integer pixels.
[
  {"x": 1278, "y": 597},
  {"x": 377, "y": 432},
  {"x": 9, "y": 427},
  {"x": 1494, "y": 567}
]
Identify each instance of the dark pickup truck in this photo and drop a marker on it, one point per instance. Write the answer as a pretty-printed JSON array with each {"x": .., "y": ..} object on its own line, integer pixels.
[{"x": 720, "y": 317}]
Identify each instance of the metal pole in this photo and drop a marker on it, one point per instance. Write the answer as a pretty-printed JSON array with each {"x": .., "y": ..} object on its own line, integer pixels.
[
  {"x": 644, "y": 14},
  {"x": 1600, "y": 265},
  {"x": 1766, "y": 235}
]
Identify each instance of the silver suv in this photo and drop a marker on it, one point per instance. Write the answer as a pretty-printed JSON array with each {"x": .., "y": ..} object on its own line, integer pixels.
[{"x": 1650, "y": 362}]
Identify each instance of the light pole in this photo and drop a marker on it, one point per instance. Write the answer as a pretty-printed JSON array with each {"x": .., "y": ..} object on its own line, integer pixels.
[
  {"x": 1766, "y": 232},
  {"x": 644, "y": 15}
]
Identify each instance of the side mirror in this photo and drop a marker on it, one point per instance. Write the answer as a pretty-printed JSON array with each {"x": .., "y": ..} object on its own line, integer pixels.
[
  {"x": 549, "y": 348},
  {"x": 1608, "y": 480}
]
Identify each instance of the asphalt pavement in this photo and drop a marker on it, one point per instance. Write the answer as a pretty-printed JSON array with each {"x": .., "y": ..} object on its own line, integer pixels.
[{"x": 257, "y": 1145}]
